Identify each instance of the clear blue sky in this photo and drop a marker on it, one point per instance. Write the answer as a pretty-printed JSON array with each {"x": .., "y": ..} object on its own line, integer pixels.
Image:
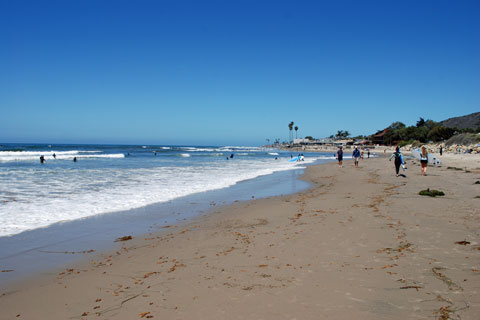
[{"x": 231, "y": 72}]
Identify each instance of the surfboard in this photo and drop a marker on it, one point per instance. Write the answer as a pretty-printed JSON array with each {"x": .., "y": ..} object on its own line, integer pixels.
[
  {"x": 300, "y": 158},
  {"x": 432, "y": 160}
]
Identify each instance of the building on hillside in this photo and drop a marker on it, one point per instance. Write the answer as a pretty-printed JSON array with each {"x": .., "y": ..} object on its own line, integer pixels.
[
  {"x": 318, "y": 142},
  {"x": 343, "y": 143},
  {"x": 378, "y": 138}
]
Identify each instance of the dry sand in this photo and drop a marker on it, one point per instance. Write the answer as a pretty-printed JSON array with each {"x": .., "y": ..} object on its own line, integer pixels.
[{"x": 360, "y": 244}]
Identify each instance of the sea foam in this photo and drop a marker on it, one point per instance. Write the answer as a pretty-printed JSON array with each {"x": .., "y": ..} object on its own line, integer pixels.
[{"x": 35, "y": 195}]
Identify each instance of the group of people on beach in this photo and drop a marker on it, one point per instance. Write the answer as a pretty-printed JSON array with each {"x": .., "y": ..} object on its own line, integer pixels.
[
  {"x": 399, "y": 161},
  {"x": 397, "y": 155},
  {"x": 356, "y": 155}
]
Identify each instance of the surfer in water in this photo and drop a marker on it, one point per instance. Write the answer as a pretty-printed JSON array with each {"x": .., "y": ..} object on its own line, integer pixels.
[{"x": 42, "y": 159}]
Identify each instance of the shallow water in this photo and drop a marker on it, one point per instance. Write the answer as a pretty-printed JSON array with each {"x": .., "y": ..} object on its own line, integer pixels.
[
  {"x": 114, "y": 178},
  {"x": 53, "y": 237}
]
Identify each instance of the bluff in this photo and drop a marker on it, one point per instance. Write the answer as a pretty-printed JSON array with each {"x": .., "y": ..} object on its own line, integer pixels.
[{"x": 469, "y": 121}]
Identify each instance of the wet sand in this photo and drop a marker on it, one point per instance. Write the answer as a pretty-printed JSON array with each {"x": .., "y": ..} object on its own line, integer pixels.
[{"x": 361, "y": 243}]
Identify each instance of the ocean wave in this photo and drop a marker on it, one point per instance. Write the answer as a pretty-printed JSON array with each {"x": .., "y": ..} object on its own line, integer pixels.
[
  {"x": 44, "y": 153},
  {"x": 61, "y": 155},
  {"x": 195, "y": 149},
  {"x": 42, "y": 195},
  {"x": 221, "y": 149}
]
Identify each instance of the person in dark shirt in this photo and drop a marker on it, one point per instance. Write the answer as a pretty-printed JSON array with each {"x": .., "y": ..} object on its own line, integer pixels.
[
  {"x": 356, "y": 156},
  {"x": 398, "y": 160},
  {"x": 340, "y": 157}
]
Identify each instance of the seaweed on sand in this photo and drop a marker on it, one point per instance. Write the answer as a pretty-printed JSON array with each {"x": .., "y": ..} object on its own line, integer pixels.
[
  {"x": 125, "y": 238},
  {"x": 431, "y": 193},
  {"x": 455, "y": 168}
]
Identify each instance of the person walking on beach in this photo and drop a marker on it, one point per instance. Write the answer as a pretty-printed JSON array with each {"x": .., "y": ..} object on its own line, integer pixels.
[
  {"x": 340, "y": 157},
  {"x": 441, "y": 150},
  {"x": 424, "y": 161},
  {"x": 398, "y": 160},
  {"x": 356, "y": 156}
]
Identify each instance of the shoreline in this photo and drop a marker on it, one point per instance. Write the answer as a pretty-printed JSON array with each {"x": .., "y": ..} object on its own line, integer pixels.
[
  {"x": 59, "y": 244},
  {"x": 359, "y": 243}
]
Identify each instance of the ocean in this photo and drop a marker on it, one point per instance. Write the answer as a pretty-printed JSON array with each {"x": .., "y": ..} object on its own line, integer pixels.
[{"x": 114, "y": 178}]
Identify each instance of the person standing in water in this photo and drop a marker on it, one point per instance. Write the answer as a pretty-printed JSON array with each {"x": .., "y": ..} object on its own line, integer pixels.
[
  {"x": 424, "y": 161},
  {"x": 340, "y": 157},
  {"x": 398, "y": 160},
  {"x": 42, "y": 159}
]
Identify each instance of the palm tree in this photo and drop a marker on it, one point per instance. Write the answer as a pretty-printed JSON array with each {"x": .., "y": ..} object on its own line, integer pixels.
[
  {"x": 296, "y": 132},
  {"x": 290, "y": 127}
]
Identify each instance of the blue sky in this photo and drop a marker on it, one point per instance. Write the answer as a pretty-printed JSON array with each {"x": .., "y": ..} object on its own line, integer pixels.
[{"x": 231, "y": 72}]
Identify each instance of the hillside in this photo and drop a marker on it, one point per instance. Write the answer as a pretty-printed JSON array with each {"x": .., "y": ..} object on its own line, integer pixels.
[{"x": 469, "y": 121}]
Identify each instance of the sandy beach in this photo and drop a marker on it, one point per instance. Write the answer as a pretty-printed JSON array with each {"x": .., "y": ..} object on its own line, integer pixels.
[{"x": 359, "y": 244}]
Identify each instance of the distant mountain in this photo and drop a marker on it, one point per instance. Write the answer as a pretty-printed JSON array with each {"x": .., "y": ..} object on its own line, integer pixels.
[{"x": 469, "y": 121}]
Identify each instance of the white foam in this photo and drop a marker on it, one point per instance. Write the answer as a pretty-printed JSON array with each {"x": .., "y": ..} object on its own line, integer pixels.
[
  {"x": 185, "y": 155},
  {"x": 35, "y": 199},
  {"x": 273, "y": 153},
  {"x": 60, "y": 155}
]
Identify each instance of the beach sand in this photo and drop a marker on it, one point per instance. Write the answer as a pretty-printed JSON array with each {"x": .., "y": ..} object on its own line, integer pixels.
[{"x": 360, "y": 244}]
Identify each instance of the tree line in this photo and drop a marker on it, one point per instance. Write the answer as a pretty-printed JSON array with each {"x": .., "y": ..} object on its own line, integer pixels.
[{"x": 423, "y": 131}]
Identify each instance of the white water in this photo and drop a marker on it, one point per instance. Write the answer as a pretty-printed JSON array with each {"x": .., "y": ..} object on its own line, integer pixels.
[{"x": 37, "y": 195}]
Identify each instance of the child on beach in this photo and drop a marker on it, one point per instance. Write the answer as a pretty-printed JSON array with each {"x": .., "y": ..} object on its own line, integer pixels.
[{"x": 424, "y": 161}]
